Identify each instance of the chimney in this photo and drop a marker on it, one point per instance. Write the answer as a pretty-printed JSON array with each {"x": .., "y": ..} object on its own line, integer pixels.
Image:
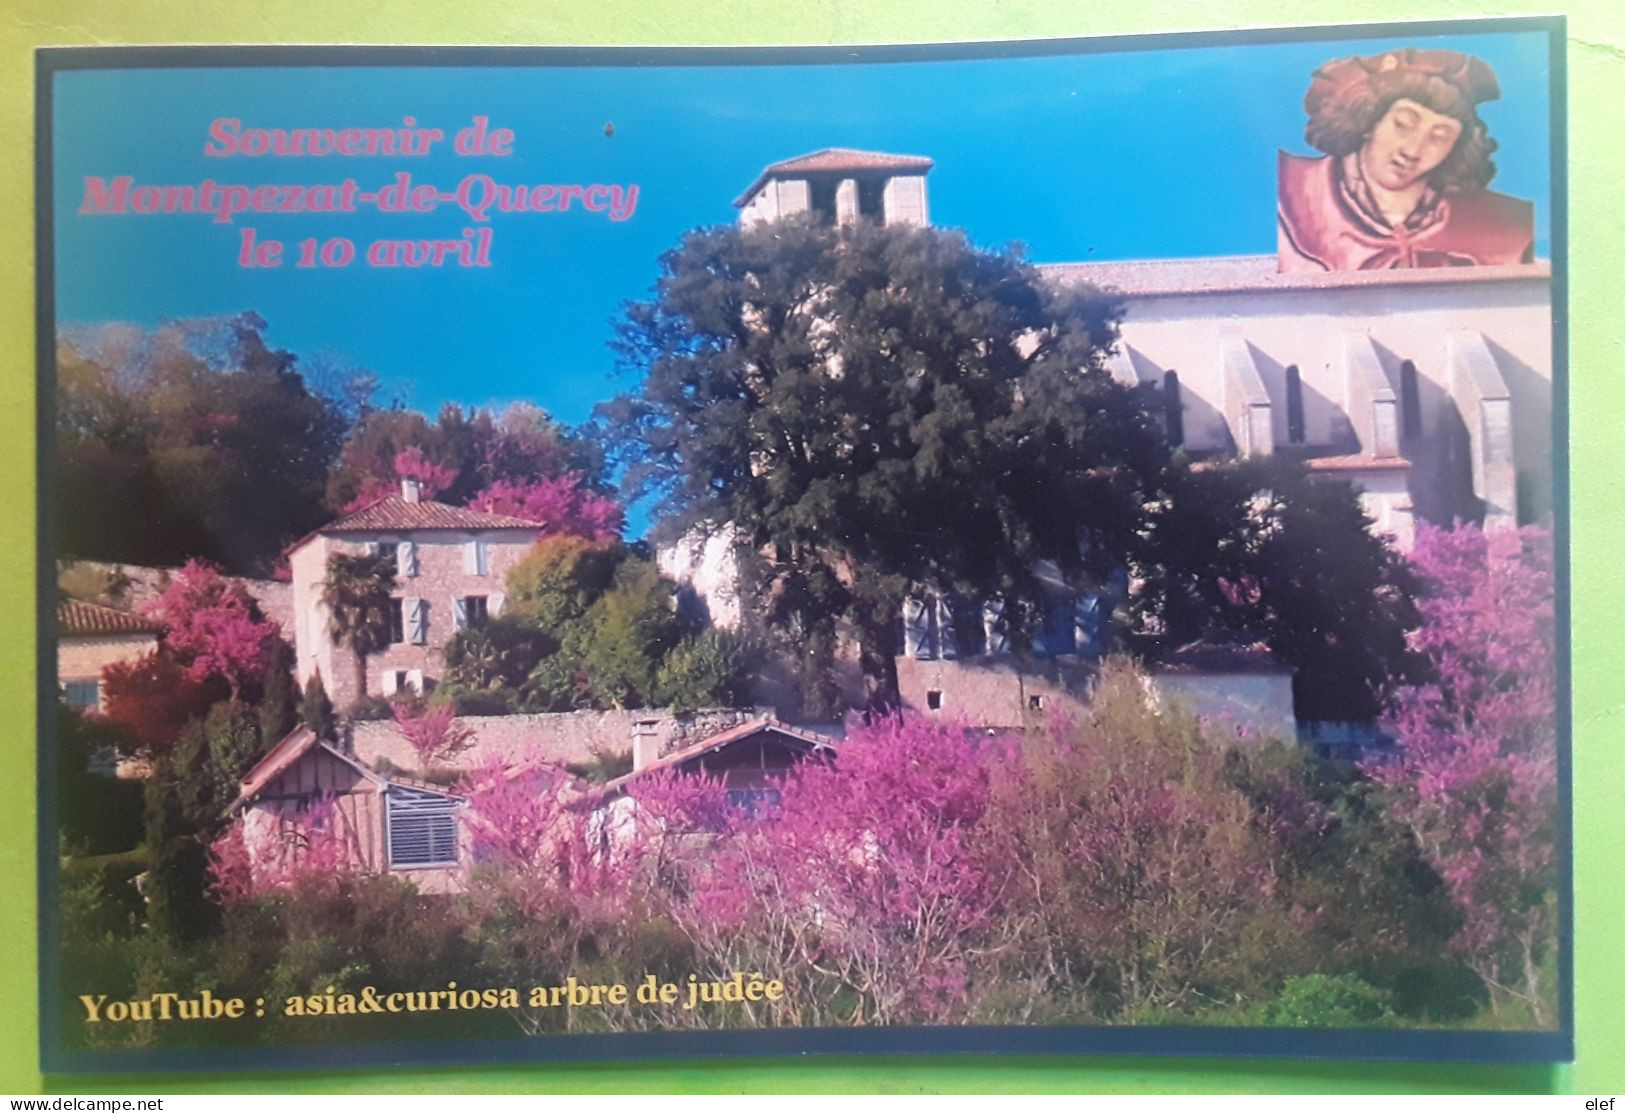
[
  {"x": 645, "y": 743},
  {"x": 411, "y": 490}
]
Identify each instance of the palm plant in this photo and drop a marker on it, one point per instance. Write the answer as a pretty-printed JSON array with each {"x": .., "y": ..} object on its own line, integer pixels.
[{"x": 357, "y": 593}]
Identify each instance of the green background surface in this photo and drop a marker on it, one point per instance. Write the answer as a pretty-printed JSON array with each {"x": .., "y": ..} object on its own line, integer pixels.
[{"x": 1596, "y": 76}]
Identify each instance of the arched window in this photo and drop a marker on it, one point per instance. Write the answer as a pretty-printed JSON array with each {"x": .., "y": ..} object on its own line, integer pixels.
[
  {"x": 1173, "y": 408},
  {"x": 1410, "y": 400},
  {"x": 1294, "y": 405}
]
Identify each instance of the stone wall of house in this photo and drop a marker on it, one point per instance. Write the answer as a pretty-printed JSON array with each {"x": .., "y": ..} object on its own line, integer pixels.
[
  {"x": 143, "y": 583},
  {"x": 1000, "y": 690},
  {"x": 84, "y": 658},
  {"x": 1259, "y": 704},
  {"x": 440, "y": 578},
  {"x": 560, "y": 738}
]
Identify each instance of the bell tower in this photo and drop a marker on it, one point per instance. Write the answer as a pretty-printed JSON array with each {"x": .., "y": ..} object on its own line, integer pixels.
[{"x": 842, "y": 186}]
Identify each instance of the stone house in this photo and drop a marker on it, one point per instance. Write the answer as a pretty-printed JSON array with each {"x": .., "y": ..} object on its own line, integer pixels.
[
  {"x": 89, "y": 638},
  {"x": 451, "y": 566}
]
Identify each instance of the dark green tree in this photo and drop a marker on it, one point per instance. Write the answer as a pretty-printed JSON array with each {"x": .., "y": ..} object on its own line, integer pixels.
[
  {"x": 1263, "y": 548},
  {"x": 316, "y": 710},
  {"x": 198, "y": 439},
  {"x": 279, "y": 705},
  {"x": 878, "y": 408},
  {"x": 714, "y": 668}
]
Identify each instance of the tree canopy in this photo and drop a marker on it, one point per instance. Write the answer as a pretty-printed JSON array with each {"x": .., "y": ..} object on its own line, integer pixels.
[
  {"x": 878, "y": 408},
  {"x": 198, "y": 439}
]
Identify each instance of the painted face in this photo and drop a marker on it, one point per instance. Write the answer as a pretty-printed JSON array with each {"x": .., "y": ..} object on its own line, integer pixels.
[{"x": 1408, "y": 144}]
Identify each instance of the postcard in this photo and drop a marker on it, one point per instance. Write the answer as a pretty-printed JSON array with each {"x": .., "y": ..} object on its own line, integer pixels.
[{"x": 597, "y": 553}]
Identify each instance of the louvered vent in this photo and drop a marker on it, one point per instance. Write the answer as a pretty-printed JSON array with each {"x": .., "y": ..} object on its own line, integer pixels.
[{"x": 422, "y": 828}]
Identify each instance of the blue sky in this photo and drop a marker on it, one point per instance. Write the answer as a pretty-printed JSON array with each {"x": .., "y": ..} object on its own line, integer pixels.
[{"x": 1085, "y": 157}]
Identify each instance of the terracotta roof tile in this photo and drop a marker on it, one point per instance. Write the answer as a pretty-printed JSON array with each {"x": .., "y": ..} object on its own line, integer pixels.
[
  {"x": 76, "y": 618},
  {"x": 395, "y": 513},
  {"x": 834, "y": 160}
]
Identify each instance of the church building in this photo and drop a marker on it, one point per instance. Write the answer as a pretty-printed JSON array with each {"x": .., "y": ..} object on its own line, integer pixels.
[{"x": 1428, "y": 389}]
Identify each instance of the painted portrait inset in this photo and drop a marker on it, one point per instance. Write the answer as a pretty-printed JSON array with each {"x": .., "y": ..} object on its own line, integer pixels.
[{"x": 1402, "y": 182}]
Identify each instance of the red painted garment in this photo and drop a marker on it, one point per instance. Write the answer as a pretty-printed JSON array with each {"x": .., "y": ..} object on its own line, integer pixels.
[{"x": 1328, "y": 223}]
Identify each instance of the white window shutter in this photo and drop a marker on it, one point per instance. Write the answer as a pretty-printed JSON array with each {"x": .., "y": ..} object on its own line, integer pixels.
[
  {"x": 471, "y": 558},
  {"x": 388, "y": 681},
  {"x": 414, "y": 680},
  {"x": 406, "y": 559},
  {"x": 493, "y": 604},
  {"x": 946, "y": 646},
  {"x": 417, "y": 621},
  {"x": 996, "y": 639},
  {"x": 459, "y": 612},
  {"x": 917, "y": 629}
]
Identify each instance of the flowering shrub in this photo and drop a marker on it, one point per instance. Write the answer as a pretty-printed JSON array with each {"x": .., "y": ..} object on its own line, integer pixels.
[
  {"x": 213, "y": 628},
  {"x": 432, "y": 731},
  {"x": 259, "y": 856},
  {"x": 561, "y": 504},
  {"x": 1476, "y": 776}
]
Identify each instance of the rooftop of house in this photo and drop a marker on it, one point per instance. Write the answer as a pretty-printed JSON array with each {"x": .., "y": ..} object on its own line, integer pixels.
[
  {"x": 836, "y": 160},
  {"x": 722, "y": 741},
  {"x": 406, "y": 512},
  {"x": 299, "y": 742},
  {"x": 76, "y": 618},
  {"x": 396, "y": 513},
  {"x": 1222, "y": 655},
  {"x": 1235, "y": 273}
]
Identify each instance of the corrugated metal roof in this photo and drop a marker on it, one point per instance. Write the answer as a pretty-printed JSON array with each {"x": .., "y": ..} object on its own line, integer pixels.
[
  {"x": 833, "y": 160},
  {"x": 76, "y": 618}
]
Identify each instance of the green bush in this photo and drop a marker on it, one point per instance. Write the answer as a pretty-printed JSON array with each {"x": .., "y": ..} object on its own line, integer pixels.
[
  {"x": 1329, "y": 1001},
  {"x": 715, "y": 668}
]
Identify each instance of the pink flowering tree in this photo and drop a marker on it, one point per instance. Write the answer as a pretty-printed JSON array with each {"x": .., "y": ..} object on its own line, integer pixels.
[
  {"x": 556, "y": 885},
  {"x": 260, "y": 856},
  {"x": 432, "y": 731},
  {"x": 432, "y": 478},
  {"x": 213, "y": 627},
  {"x": 560, "y": 504},
  {"x": 863, "y": 882},
  {"x": 1476, "y": 776}
]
